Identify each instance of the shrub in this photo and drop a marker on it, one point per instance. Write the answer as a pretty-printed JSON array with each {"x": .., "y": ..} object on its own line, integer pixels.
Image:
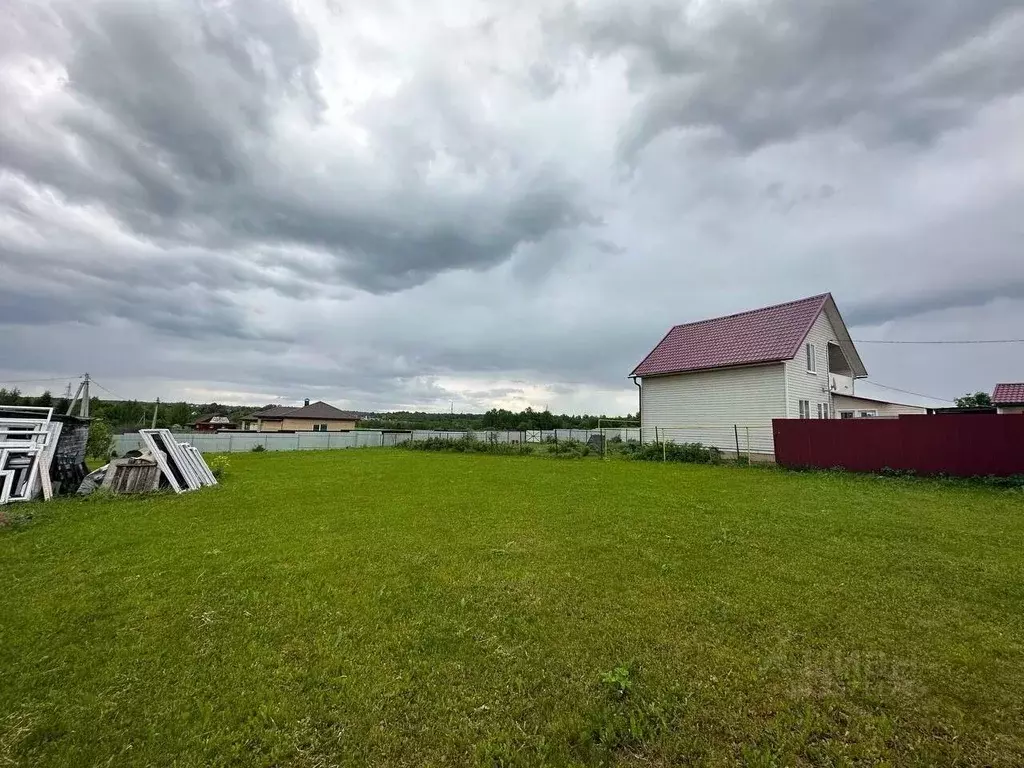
[
  {"x": 466, "y": 445},
  {"x": 690, "y": 453},
  {"x": 101, "y": 440},
  {"x": 259, "y": 448},
  {"x": 568, "y": 449}
]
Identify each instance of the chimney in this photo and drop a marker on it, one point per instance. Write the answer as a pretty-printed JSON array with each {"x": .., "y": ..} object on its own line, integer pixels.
[{"x": 307, "y": 401}]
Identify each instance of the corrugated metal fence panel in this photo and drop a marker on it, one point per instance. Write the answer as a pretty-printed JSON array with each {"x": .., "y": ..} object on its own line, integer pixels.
[{"x": 965, "y": 446}]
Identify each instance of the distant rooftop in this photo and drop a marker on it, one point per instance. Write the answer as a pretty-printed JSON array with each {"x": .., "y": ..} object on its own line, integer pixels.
[
  {"x": 1009, "y": 394},
  {"x": 317, "y": 410}
]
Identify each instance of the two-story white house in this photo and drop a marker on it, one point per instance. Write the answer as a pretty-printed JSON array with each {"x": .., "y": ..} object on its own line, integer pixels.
[{"x": 721, "y": 381}]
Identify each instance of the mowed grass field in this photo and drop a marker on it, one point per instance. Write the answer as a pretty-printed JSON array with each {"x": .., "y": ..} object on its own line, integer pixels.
[{"x": 384, "y": 607}]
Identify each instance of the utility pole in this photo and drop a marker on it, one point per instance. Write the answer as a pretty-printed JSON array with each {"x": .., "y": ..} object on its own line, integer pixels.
[
  {"x": 78, "y": 392},
  {"x": 85, "y": 397},
  {"x": 156, "y": 409}
]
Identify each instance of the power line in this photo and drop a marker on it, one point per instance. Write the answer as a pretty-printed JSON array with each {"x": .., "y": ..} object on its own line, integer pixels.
[
  {"x": 908, "y": 392},
  {"x": 34, "y": 381},
  {"x": 93, "y": 381},
  {"x": 943, "y": 341}
]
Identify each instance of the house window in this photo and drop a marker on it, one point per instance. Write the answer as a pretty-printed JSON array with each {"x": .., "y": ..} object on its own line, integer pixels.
[
  {"x": 824, "y": 411},
  {"x": 846, "y": 414},
  {"x": 319, "y": 427},
  {"x": 867, "y": 414},
  {"x": 811, "y": 366},
  {"x": 805, "y": 409}
]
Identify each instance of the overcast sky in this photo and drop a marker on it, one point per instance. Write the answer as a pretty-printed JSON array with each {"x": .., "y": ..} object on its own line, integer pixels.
[{"x": 399, "y": 204}]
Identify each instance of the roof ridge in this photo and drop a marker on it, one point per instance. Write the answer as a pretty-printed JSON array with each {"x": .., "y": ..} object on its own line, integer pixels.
[{"x": 820, "y": 296}]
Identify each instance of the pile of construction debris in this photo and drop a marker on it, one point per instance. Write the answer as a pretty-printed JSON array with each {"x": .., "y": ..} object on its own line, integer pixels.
[
  {"x": 42, "y": 455},
  {"x": 164, "y": 463}
]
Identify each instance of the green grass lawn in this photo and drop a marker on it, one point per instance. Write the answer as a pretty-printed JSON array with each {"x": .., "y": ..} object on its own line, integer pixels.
[{"x": 386, "y": 607}]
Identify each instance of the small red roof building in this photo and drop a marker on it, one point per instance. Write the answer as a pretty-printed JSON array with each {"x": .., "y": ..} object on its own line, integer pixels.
[{"x": 1008, "y": 394}]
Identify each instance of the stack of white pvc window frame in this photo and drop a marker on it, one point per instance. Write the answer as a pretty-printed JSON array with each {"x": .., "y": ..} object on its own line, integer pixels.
[
  {"x": 182, "y": 464},
  {"x": 28, "y": 441}
]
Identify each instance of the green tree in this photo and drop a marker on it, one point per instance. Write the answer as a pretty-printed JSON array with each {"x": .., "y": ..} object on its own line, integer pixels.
[
  {"x": 977, "y": 400},
  {"x": 175, "y": 414},
  {"x": 101, "y": 440}
]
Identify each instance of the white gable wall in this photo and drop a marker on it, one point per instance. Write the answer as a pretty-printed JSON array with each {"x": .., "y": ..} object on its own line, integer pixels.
[
  {"x": 812, "y": 387},
  {"x": 703, "y": 406}
]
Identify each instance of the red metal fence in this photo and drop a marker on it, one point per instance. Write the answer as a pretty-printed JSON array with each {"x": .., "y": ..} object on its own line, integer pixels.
[{"x": 962, "y": 445}]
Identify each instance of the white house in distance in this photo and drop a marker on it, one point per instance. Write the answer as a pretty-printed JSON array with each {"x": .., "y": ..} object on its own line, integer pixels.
[
  {"x": 1009, "y": 398},
  {"x": 723, "y": 380}
]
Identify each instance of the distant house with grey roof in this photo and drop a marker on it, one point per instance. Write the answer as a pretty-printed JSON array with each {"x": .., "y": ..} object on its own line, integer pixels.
[{"x": 310, "y": 417}]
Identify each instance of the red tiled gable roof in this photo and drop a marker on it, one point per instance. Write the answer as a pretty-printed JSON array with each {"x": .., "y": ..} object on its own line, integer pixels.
[
  {"x": 1009, "y": 394},
  {"x": 765, "y": 335}
]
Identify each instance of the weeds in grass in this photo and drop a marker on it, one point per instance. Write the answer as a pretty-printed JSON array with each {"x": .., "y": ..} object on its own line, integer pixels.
[
  {"x": 259, "y": 448},
  {"x": 219, "y": 465},
  {"x": 1010, "y": 482},
  {"x": 618, "y": 681}
]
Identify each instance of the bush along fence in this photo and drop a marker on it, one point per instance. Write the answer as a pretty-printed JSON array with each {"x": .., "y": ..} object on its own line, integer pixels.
[{"x": 693, "y": 453}]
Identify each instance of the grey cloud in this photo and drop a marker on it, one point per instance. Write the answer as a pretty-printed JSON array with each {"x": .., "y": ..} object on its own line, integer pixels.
[
  {"x": 888, "y": 70},
  {"x": 891, "y": 308},
  {"x": 172, "y": 131},
  {"x": 197, "y": 83}
]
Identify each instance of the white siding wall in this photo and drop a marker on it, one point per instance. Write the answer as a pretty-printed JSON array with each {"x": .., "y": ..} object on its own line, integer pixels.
[
  {"x": 884, "y": 409},
  {"x": 1010, "y": 409},
  {"x": 812, "y": 387},
  {"x": 709, "y": 403}
]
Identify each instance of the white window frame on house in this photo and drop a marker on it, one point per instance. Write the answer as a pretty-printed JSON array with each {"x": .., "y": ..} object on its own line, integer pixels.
[
  {"x": 847, "y": 414},
  {"x": 812, "y": 362},
  {"x": 824, "y": 411},
  {"x": 319, "y": 427},
  {"x": 805, "y": 409}
]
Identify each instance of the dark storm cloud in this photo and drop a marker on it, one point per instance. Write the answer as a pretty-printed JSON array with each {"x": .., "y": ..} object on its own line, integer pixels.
[
  {"x": 762, "y": 73},
  {"x": 172, "y": 131}
]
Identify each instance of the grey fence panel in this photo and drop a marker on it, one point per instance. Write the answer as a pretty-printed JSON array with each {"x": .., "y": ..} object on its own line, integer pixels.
[{"x": 243, "y": 442}]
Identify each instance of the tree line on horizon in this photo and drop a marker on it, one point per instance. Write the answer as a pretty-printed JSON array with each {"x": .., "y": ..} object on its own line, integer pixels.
[{"x": 130, "y": 415}]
